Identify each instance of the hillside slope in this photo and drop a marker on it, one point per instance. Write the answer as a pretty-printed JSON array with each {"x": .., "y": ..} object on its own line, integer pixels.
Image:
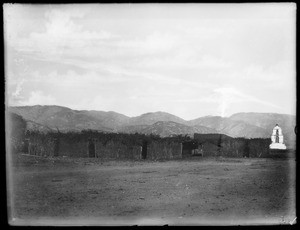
[
  {"x": 231, "y": 127},
  {"x": 151, "y": 118},
  {"x": 167, "y": 128},
  {"x": 248, "y": 125},
  {"x": 58, "y": 117}
]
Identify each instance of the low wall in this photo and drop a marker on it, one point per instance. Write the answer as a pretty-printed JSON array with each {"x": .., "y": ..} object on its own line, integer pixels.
[
  {"x": 188, "y": 148},
  {"x": 209, "y": 149},
  {"x": 41, "y": 146},
  {"x": 117, "y": 150},
  {"x": 222, "y": 145},
  {"x": 79, "y": 145},
  {"x": 234, "y": 148},
  {"x": 259, "y": 147},
  {"x": 164, "y": 150},
  {"x": 73, "y": 148}
]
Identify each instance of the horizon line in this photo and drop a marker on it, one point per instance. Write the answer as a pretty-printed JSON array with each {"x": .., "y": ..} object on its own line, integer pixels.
[{"x": 147, "y": 112}]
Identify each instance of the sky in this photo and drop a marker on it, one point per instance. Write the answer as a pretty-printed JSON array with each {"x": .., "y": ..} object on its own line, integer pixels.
[{"x": 190, "y": 60}]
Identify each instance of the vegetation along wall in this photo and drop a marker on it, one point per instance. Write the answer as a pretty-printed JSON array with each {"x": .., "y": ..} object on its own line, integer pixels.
[
  {"x": 222, "y": 145},
  {"x": 104, "y": 145},
  {"x": 138, "y": 146},
  {"x": 40, "y": 145},
  {"x": 164, "y": 150}
]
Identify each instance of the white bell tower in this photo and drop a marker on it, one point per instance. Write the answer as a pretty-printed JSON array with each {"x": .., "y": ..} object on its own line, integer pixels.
[{"x": 277, "y": 138}]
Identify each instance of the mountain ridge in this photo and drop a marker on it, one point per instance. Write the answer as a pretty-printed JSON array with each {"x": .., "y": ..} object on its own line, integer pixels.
[
  {"x": 248, "y": 125},
  {"x": 59, "y": 106}
]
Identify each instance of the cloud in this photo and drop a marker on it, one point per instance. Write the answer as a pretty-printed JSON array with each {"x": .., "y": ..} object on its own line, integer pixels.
[
  {"x": 18, "y": 90},
  {"x": 152, "y": 43},
  {"x": 227, "y": 96},
  {"x": 95, "y": 57},
  {"x": 14, "y": 89},
  {"x": 66, "y": 40},
  {"x": 60, "y": 36},
  {"x": 39, "y": 98},
  {"x": 184, "y": 58}
]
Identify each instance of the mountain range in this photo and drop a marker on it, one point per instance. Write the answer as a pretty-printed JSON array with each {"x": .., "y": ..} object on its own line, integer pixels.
[{"x": 249, "y": 125}]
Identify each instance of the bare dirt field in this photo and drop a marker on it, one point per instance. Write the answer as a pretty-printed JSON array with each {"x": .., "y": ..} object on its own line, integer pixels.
[{"x": 196, "y": 191}]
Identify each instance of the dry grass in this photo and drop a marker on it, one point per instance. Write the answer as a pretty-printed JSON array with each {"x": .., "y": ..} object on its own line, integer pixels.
[{"x": 59, "y": 191}]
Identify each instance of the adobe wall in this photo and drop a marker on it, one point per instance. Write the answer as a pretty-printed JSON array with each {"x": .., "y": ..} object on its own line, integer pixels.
[
  {"x": 259, "y": 147},
  {"x": 77, "y": 146},
  {"x": 238, "y": 147},
  {"x": 41, "y": 146},
  {"x": 117, "y": 150},
  {"x": 109, "y": 150},
  {"x": 188, "y": 148},
  {"x": 209, "y": 149},
  {"x": 73, "y": 148},
  {"x": 163, "y": 150},
  {"x": 108, "y": 147},
  {"x": 234, "y": 148}
]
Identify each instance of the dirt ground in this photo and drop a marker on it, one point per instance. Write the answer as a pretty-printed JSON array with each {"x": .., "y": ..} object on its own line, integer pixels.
[{"x": 196, "y": 191}]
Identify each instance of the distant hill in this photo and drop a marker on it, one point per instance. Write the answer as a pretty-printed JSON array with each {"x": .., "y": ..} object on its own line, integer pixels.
[
  {"x": 267, "y": 121},
  {"x": 58, "y": 117},
  {"x": 133, "y": 128},
  {"x": 167, "y": 128},
  {"x": 151, "y": 118},
  {"x": 231, "y": 127},
  {"x": 248, "y": 125},
  {"x": 109, "y": 119},
  {"x": 33, "y": 126}
]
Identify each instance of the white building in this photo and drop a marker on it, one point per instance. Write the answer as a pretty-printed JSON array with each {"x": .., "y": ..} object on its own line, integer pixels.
[{"x": 277, "y": 138}]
